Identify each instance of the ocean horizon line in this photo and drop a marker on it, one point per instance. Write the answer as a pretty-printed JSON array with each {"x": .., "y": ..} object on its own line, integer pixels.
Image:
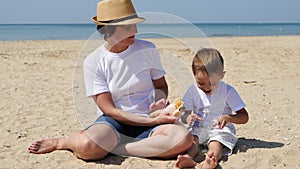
[{"x": 79, "y": 31}]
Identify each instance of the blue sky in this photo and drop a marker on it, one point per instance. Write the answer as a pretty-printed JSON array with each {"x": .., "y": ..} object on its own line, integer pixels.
[{"x": 196, "y": 11}]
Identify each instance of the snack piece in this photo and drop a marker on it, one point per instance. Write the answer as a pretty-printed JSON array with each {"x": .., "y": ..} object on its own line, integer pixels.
[
  {"x": 176, "y": 113},
  {"x": 178, "y": 103},
  {"x": 179, "y": 107}
]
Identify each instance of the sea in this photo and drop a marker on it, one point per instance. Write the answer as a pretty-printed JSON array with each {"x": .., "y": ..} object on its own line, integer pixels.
[{"x": 11, "y": 32}]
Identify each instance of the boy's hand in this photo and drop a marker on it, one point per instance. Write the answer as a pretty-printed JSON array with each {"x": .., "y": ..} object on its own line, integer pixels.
[
  {"x": 192, "y": 118},
  {"x": 222, "y": 121}
]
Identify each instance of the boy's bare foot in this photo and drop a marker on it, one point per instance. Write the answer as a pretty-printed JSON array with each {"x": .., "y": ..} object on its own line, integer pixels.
[
  {"x": 210, "y": 161},
  {"x": 185, "y": 161},
  {"x": 47, "y": 145}
]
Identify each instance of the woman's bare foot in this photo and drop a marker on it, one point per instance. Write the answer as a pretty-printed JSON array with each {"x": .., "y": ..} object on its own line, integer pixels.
[
  {"x": 210, "y": 161},
  {"x": 47, "y": 145},
  {"x": 185, "y": 161}
]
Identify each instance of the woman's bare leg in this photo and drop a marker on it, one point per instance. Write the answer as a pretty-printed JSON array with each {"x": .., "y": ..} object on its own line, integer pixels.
[
  {"x": 166, "y": 142},
  {"x": 88, "y": 145},
  {"x": 47, "y": 145}
]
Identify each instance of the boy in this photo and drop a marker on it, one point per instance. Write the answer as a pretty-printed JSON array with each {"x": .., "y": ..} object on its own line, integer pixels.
[{"x": 212, "y": 102}]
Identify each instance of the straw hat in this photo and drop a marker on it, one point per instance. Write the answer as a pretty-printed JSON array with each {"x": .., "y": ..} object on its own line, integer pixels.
[{"x": 116, "y": 12}]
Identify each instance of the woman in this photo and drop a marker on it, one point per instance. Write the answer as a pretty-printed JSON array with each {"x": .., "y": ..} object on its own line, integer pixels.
[{"x": 123, "y": 76}]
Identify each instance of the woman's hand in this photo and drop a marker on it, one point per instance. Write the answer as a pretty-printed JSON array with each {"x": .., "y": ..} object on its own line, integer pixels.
[
  {"x": 165, "y": 118},
  {"x": 160, "y": 104},
  {"x": 105, "y": 103}
]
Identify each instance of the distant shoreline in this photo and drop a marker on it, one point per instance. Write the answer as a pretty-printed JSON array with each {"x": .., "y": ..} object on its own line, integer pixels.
[
  {"x": 10, "y": 32},
  {"x": 214, "y": 37}
]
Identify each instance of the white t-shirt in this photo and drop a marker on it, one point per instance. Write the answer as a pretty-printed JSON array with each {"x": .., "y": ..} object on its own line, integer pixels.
[
  {"x": 127, "y": 75},
  {"x": 224, "y": 100}
]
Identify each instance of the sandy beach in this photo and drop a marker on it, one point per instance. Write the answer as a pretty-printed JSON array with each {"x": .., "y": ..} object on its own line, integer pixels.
[{"x": 39, "y": 99}]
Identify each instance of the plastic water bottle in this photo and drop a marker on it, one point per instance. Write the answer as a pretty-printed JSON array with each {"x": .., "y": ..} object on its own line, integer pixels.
[
  {"x": 206, "y": 127},
  {"x": 211, "y": 118},
  {"x": 205, "y": 116},
  {"x": 201, "y": 126}
]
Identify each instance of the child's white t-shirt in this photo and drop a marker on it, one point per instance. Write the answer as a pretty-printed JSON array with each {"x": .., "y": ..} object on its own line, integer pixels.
[
  {"x": 127, "y": 75},
  {"x": 224, "y": 100}
]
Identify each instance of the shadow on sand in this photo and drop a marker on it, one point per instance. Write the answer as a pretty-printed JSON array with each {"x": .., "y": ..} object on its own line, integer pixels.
[
  {"x": 111, "y": 159},
  {"x": 243, "y": 144}
]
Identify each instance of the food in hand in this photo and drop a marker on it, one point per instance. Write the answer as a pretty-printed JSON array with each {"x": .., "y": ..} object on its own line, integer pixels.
[
  {"x": 176, "y": 113},
  {"x": 176, "y": 107}
]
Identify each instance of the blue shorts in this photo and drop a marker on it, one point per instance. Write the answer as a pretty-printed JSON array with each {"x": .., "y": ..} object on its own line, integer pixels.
[{"x": 125, "y": 133}]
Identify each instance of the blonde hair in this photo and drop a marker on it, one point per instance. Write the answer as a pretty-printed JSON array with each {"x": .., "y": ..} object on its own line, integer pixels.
[{"x": 208, "y": 60}]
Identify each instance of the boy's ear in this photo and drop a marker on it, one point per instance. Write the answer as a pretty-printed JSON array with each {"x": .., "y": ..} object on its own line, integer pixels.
[{"x": 223, "y": 74}]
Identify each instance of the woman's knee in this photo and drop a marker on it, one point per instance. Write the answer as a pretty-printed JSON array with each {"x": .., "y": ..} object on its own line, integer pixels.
[
  {"x": 84, "y": 143},
  {"x": 181, "y": 135},
  {"x": 182, "y": 132},
  {"x": 179, "y": 140},
  {"x": 86, "y": 148},
  {"x": 188, "y": 139}
]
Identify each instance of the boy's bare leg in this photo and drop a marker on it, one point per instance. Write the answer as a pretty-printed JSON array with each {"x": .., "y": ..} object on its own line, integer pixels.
[
  {"x": 167, "y": 141},
  {"x": 89, "y": 144},
  {"x": 213, "y": 155},
  {"x": 187, "y": 160}
]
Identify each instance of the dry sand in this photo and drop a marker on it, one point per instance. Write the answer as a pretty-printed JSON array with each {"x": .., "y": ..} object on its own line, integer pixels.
[{"x": 37, "y": 99}]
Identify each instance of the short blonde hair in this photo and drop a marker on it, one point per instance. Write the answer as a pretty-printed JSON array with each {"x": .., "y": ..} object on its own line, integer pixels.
[{"x": 208, "y": 60}]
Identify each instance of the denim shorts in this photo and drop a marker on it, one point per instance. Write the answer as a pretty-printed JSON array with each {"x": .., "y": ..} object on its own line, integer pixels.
[{"x": 125, "y": 133}]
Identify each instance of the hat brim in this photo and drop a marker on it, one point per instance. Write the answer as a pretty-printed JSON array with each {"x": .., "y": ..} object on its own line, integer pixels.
[{"x": 125, "y": 22}]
